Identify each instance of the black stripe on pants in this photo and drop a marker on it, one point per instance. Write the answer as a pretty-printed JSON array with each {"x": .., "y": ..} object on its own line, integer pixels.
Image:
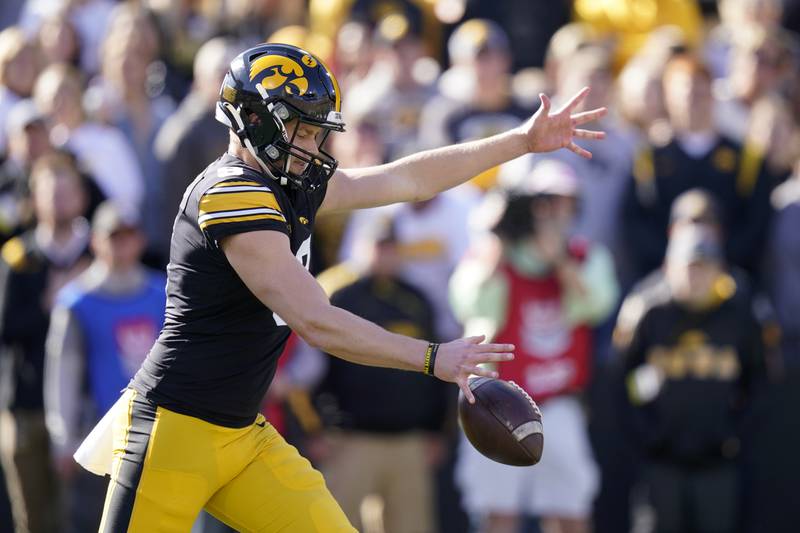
[{"x": 120, "y": 508}]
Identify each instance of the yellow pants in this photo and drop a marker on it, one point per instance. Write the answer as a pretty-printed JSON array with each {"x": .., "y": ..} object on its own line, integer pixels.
[{"x": 168, "y": 466}]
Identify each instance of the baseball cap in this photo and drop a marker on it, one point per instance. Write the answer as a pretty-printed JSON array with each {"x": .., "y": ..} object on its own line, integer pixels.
[
  {"x": 109, "y": 218},
  {"x": 690, "y": 244},
  {"x": 548, "y": 177},
  {"x": 475, "y": 36},
  {"x": 695, "y": 206}
]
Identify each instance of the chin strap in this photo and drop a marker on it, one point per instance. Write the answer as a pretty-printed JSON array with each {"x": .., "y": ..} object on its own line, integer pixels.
[{"x": 224, "y": 115}]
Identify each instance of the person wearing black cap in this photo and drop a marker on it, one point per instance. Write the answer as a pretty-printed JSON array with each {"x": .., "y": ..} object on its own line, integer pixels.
[
  {"x": 27, "y": 141},
  {"x": 405, "y": 413},
  {"x": 692, "y": 358},
  {"x": 476, "y": 98}
]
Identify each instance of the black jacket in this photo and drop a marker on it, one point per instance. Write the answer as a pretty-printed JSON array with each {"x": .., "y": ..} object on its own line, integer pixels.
[{"x": 384, "y": 400}]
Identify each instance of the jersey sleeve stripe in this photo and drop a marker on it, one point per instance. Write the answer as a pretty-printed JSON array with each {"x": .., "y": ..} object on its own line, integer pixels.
[
  {"x": 240, "y": 212},
  {"x": 235, "y": 201},
  {"x": 207, "y": 223},
  {"x": 238, "y": 188},
  {"x": 234, "y": 183}
]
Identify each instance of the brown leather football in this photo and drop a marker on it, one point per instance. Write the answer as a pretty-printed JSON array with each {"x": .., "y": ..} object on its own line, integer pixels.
[{"x": 504, "y": 423}]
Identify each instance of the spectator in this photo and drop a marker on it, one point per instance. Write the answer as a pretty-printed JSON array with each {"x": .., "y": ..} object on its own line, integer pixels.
[
  {"x": 541, "y": 291},
  {"x": 397, "y": 86},
  {"x": 103, "y": 149},
  {"x": 773, "y": 130},
  {"x": 761, "y": 63},
  {"x": 432, "y": 237},
  {"x": 736, "y": 15},
  {"x": 403, "y": 418},
  {"x": 191, "y": 131},
  {"x": 565, "y": 42},
  {"x": 476, "y": 95},
  {"x": 692, "y": 359},
  {"x": 102, "y": 326},
  {"x": 59, "y": 41},
  {"x": 18, "y": 67},
  {"x": 34, "y": 267},
  {"x": 138, "y": 110},
  {"x": 694, "y": 155},
  {"x": 89, "y": 17},
  {"x": 27, "y": 141},
  {"x": 530, "y": 25}
]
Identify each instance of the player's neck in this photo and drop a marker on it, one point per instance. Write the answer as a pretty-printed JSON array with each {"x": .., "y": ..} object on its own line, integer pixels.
[{"x": 237, "y": 150}]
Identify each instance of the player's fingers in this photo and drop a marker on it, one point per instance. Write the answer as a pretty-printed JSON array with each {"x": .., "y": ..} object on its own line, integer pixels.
[
  {"x": 483, "y": 372},
  {"x": 477, "y": 339},
  {"x": 580, "y": 151},
  {"x": 494, "y": 348},
  {"x": 545, "y": 103},
  {"x": 463, "y": 384},
  {"x": 492, "y": 357},
  {"x": 577, "y": 99},
  {"x": 588, "y": 116},
  {"x": 588, "y": 134}
]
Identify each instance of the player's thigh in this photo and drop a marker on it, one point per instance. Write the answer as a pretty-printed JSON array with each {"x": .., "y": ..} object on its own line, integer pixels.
[
  {"x": 149, "y": 489},
  {"x": 279, "y": 491}
]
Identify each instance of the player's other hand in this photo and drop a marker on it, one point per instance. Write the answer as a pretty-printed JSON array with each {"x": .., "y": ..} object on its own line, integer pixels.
[
  {"x": 456, "y": 361},
  {"x": 546, "y": 131}
]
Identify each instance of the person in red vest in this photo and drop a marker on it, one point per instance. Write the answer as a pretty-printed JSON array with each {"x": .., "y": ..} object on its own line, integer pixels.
[{"x": 540, "y": 287}]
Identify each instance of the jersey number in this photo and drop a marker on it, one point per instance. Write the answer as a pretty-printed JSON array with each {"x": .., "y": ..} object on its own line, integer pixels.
[{"x": 304, "y": 256}]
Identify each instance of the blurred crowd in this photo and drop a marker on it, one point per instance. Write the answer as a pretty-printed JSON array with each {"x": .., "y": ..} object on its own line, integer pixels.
[{"x": 653, "y": 291}]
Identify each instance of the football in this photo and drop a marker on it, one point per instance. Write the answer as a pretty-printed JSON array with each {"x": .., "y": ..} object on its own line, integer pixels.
[{"x": 504, "y": 423}]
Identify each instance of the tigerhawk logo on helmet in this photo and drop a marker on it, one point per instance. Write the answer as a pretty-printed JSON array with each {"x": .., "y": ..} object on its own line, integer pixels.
[{"x": 269, "y": 87}]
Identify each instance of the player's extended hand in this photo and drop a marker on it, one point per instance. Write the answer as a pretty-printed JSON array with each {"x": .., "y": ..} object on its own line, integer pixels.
[
  {"x": 546, "y": 132},
  {"x": 456, "y": 361}
]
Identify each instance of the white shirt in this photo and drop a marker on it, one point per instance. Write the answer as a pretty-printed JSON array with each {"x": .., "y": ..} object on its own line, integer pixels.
[
  {"x": 111, "y": 161},
  {"x": 432, "y": 241}
]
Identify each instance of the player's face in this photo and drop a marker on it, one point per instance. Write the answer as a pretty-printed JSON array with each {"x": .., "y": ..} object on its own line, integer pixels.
[{"x": 307, "y": 137}]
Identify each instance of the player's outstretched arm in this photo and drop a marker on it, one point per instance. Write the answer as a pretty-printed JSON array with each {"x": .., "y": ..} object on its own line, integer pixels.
[
  {"x": 263, "y": 260},
  {"x": 421, "y": 176}
]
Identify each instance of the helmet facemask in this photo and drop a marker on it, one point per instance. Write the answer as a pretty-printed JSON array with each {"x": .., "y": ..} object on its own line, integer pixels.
[{"x": 280, "y": 150}]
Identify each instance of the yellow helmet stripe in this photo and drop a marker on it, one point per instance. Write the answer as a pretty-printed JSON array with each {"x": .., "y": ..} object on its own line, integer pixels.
[{"x": 338, "y": 105}]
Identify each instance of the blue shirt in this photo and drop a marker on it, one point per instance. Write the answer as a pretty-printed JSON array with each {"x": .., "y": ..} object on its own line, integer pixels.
[{"x": 118, "y": 332}]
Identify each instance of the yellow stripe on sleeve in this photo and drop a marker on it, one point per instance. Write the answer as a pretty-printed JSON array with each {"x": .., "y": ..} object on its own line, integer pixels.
[
  {"x": 237, "y": 183},
  {"x": 215, "y": 203},
  {"x": 213, "y": 221}
]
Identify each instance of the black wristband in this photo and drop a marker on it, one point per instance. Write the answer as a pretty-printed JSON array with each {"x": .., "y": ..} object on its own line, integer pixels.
[{"x": 430, "y": 358}]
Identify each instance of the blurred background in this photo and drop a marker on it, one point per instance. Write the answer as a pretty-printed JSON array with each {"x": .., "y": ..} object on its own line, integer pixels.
[{"x": 653, "y": 291}]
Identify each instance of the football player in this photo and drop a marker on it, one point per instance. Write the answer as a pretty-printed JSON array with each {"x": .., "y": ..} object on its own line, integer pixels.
[{"x": 187, "y": 434}]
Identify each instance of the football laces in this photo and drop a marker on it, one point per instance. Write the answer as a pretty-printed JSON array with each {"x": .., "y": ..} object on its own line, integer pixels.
[{"x": 528, "y": 396}]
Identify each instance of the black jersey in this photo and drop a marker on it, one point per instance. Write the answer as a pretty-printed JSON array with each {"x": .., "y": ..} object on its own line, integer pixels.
[{"x": 218, "y": 350}]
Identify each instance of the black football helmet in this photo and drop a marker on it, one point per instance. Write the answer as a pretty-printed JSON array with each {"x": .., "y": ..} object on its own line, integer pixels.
[{"x": 267, "y": 87}]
